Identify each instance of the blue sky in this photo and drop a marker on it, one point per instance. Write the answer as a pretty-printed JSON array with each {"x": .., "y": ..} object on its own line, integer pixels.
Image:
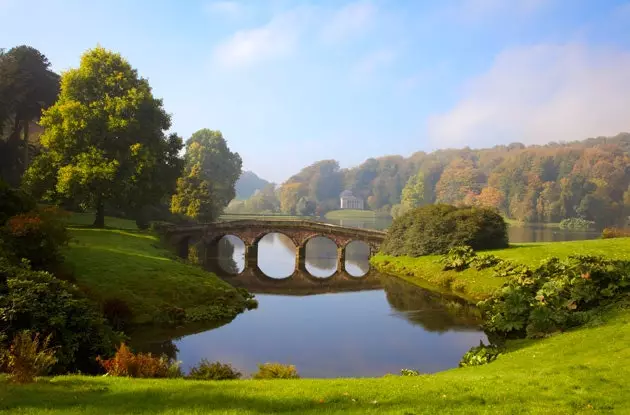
[{"x": 291, "y": 82}]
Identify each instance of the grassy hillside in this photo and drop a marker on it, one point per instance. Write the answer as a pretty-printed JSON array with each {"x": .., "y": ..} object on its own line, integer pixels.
[
  {"x": 476, "y": 285},
  {"x": 583, "y": 371},
  {"x": 132, "y": 266}
]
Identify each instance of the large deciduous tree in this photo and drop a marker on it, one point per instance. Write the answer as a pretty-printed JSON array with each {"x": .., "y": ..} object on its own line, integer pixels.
[
  {"x": 210, "y": 174},
  {"x": 27, "y": 85},
  {"x": 104, "y": 140}
]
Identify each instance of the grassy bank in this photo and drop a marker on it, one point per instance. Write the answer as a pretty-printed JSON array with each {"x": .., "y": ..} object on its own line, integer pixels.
[
  {"x": 350, "y": 214},
  {"x": 426, "y": 271},
  {"x": 132, "y": 266},
  {"x": 572, "y": 373},
  {"x": 253, "y": 216}
]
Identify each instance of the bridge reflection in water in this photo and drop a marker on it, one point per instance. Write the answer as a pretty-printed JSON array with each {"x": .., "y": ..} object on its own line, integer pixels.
[{"x": 318, "y": 274}]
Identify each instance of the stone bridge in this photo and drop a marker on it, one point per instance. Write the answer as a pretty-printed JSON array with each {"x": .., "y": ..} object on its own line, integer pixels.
[{"x": 207, "y": 237}]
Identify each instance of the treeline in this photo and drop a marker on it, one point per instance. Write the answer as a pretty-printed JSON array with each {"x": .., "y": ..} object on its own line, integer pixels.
[
  {"x": 541, "y": 183},
  {"x": 95, "y": 138}
]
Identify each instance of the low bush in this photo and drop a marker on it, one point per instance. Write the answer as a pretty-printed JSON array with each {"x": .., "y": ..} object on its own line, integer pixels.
[
  {"x": 553, "y": 297},
  {"x": 435, "y": 229},
  {"x": 38, "y": 302},
  {"x": 458, "y": 258},
  {"x": 140, "y": 365},
  {"x": 206, "y": 370},
  {"x": 480, "y": 355},
  {"x": 28, "y": 357},
  {"x": 276, "y": 371},
  {"x": 37, "y": 236},
  {"x": 117, "y": 312},
  {"x": 409, "y": 372},
  {"x": 576, "y": 224},
  {"x": 608, "y": 233}
]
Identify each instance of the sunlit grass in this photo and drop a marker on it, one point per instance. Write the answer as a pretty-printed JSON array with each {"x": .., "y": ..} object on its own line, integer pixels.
[
  {"x": 475, "y": 285},
  {"x": 350, "y": 214}
]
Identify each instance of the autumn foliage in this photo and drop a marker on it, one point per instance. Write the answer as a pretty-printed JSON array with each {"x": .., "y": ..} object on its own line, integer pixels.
[{"x": 140, "y": 365}]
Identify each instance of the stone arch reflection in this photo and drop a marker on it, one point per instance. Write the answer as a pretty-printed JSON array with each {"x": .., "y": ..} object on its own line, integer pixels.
[
  {"x": 321, "y": 257},
  {"x": 276, "y": 264},
  {"x": 231, "y": 255},
  {"x": 357, "y": 258}
]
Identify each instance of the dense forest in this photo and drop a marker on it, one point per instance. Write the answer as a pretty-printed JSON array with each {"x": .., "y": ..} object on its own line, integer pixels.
[{"x": 540, "y": 183}]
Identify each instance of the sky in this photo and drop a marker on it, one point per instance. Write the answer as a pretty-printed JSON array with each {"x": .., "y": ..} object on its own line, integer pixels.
[{"x": 291, "y": 82}]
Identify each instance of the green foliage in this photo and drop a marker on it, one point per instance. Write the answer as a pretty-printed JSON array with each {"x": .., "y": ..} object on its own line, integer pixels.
[
  {"x": 104, "y": 140},
  {"x": 210, "y": 174},
  {"x": 28, "y": 357},
  {"x": 276, "y": 371},
  {"x": 413, "y": 194},
  {"x": 458, "y": 258},
  {"x": 37, "y": 236},
  {"x": 576, "y": 223},
  {"x": 13, "y": 202},
  {"x": 435, "y": 229},
  {"x": 206, "y": 370},
  {"x": 141, "y": 365},
  {"x": 117, "y": 312},
  {"x": 609, "y": 233},
  {"x": 480, "y": 355},
  {"x": 409, "y": 372},
  {"x": 555, "y": 296},
  {"x": 38, "y": 302},
  {"x": 485, "y": 261}
]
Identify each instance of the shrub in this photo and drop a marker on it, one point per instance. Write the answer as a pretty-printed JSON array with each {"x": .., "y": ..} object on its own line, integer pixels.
[
  {"x": 28, "y": 357},
  {"x": 553, "y": 297},
  {"x": 276, "y": 371},
  {"x": 608, "y": 233},
  {"x": 206, "y": 370},
  {"x": 480, "y": 355},
  {"x": 409, "y": 372},
  {"x": 485, "y": 261},
  {"x": 38, "y": 302},
  {"x": 576, "y": 223},
  {"x": 140, "y": 365},
  {"x": 458, "y": 258},
  {"x": 435, "y": 229},
  {"x": 37, "y": 236},
  {"x": 13, "y": 202},
  {"x": 117, "y": 312}
]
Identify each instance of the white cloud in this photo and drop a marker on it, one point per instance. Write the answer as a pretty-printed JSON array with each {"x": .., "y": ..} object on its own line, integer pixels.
[
  {"x": 539, "y": 94},
  {"x": 374, "y": 61},
  {"x": 349, "y": 21},
  {"x": 278, "y": 38},
  {"x": 224, "y": 8}
]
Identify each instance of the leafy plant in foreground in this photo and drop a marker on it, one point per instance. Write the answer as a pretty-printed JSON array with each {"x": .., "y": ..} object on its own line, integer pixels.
[
  {"x": 458, "y": 258},
  {"x": 480, "y": 355},
  {"x": 409, "y": 372},
  {"x": 140, "y": 365},
  {"x": 28, "y": 357}
]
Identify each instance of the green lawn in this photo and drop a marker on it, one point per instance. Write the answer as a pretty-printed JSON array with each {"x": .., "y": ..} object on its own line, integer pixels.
[
  {"x": 475, "y": 285},
  {"x": 350, "y": 214},
  {"x": 246, "y": 216},
  {"x": 132, "y": 266},
  {"x": 580, "y": 372},
  {"x": 87, "y": 219}
]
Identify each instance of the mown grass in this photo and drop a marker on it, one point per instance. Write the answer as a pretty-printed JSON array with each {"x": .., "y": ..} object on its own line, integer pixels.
[
  {"x": 427, "y": 271},
  {"x": 134, "y": 267},
  {"x": 350, "y": 214},
  {"x": 87, "y": 219},
  {"x": 579, "y": 372}
]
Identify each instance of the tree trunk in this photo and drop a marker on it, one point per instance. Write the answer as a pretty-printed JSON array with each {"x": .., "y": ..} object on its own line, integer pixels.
[
  {"x": 99, "y": 219},
  {"x": 26, "y": 153}
]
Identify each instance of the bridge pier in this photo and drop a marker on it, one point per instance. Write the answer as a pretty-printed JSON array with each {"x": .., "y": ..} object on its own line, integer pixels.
[
  {"x": 341, "y": 259},
  {"x": 300, "y": 258},
  {"x": 251, "y": 256}
]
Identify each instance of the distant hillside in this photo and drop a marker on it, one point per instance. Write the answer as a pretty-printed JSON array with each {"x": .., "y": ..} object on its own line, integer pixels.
[{"x": 247, "y": 184}]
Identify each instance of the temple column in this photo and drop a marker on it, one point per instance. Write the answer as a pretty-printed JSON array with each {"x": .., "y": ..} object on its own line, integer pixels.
[
  {"x": 251, "y": 256},
  {"x": 341, "y": 259},
  {"x": 300, "y": 258}
]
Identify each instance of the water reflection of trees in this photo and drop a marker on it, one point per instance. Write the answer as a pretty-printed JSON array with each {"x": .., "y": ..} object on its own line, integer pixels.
[
  {"x": 226, "y": 254},
  {"x": 431, "y": 310}
]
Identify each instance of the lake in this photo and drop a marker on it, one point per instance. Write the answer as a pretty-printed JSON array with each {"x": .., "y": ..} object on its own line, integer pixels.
[{"x": 329, "y": 324}]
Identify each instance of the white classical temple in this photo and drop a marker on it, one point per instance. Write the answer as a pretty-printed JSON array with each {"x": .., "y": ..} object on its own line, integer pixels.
[{"x": 349, "y": 201}]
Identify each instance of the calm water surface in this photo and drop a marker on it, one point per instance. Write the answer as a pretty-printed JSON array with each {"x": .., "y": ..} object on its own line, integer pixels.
[{"x": 363, "y": 325}]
